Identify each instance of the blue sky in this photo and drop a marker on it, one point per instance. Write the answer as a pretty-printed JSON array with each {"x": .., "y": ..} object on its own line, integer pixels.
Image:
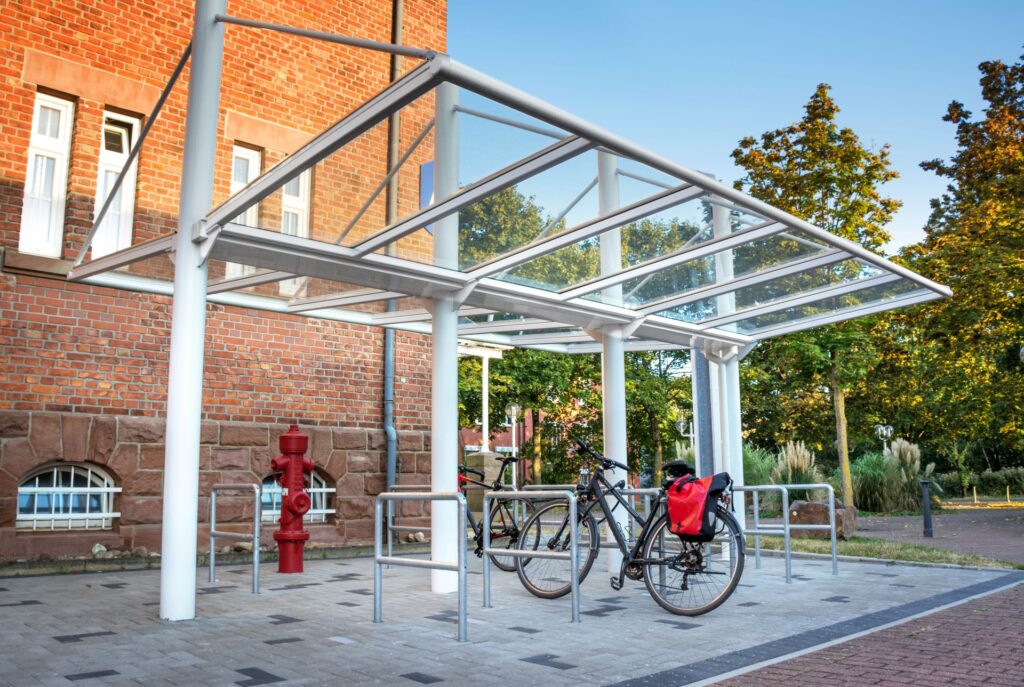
[{"x": 688, "y": 80}]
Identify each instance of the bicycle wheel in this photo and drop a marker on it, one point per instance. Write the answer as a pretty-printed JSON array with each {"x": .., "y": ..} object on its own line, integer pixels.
[
  {"x": 691, "y": 579},
  {"x": 548, "y": 530},
  {"x": 507, "y": 519}
]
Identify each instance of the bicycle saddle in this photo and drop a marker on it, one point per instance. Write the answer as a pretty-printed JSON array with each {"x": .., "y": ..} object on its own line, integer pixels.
[
  {"x": 678, "y": 468},
  {"x": 511, "y": 459}
]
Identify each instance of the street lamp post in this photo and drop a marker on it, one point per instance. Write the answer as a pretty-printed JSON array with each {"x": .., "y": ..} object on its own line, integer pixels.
[
  {"x": 884, "y": 433},
  {"x": 512, "y": 410}
]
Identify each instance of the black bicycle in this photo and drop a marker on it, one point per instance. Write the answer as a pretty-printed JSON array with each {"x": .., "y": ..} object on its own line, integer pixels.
[
  {"x": 685, "y": 578},
  {"x": 506, "y": 515}
]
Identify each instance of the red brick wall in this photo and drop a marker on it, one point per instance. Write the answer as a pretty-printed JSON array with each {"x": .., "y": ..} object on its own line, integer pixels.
[{"x": 70, "y": 350}]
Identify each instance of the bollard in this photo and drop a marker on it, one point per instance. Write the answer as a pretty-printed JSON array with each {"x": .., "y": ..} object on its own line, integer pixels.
[{"x": 926, "y": 508}]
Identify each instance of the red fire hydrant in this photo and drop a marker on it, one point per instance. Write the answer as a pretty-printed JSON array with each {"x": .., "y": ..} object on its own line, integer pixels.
[{"x": 292, "y": 466}]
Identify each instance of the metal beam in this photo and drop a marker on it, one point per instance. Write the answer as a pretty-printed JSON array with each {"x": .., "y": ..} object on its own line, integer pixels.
[
  {"x": 776, "y": 272},
  {"x": 352, "y": 41},
  {"x": 694, "y": 252},
  {"x": 247, "y": 281},
  {"x": 499, "y": 326},
  {"x": 114, "y": 261},
  {"x": 509, "y": 176},
  {"x": 355, "y": 297},
  {"x": 311, "y": 258},
  {"x": 373, "y": 112},
  {"x": 799, "y": 299},
  {"x": 550, "y": 338},
  {"x": 525, "y": 126},
  {"x": 586, "y": 230},
  {"x": 629, "y": 346},
  {"x": 419, "y": 315}
]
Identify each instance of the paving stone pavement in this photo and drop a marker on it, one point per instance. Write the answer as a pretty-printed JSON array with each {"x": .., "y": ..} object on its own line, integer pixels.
[
  {"x": 317, "y": 629},
  {"x": 976, "y": 643}
]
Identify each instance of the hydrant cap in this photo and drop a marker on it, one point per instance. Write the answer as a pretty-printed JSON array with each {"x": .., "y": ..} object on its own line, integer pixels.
[{"x": 293, "y": 441}]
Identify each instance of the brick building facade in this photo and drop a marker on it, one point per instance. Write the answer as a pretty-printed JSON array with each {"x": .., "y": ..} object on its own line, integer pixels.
[{"x": 83, "y": 369}]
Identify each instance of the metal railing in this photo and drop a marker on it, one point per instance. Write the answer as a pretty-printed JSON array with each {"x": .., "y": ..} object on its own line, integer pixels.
[
  {"x": 379, "y": 560},
  {"x": 254, "y": 536},
  {"x": 786, "y": 527},
  {"x": 569, "y": 496}
]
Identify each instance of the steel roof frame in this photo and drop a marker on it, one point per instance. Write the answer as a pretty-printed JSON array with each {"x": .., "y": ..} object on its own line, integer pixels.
[{"x": 381, "y": 276}]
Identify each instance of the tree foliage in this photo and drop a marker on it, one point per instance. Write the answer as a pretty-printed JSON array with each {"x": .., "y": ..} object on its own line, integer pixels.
[
  {"x": 974, "y": 243},
  {"x": 819, "y": 172}
]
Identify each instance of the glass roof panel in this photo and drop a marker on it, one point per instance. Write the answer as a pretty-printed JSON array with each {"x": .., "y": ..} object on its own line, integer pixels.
[
  {"x": 677, "y": 279},
  {"x": 487, "y": 145},
  {"x": 777, "y": 289},
  {"x": 653, "y": 236},
  {"x": 827, "y": 305}
]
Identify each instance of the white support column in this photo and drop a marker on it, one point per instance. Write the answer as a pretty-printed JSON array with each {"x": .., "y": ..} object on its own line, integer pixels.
[
  {"x": 730, "y": 422},
  {"x": 485, "y": 402},
  {"x": 613, "y": 364},
  {"x": 444, "y": 540},
  {"x": 733, "y": 419},
  {"x": 188, "y": 324}
]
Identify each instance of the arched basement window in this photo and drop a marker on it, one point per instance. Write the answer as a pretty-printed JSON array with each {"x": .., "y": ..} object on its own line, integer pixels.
[
  {"x": 62, "y": 496},
  {"x": 319, "y": 493}
]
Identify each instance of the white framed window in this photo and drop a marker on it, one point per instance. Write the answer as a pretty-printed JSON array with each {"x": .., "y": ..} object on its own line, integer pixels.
[
  {"x": 319, "y": 493},
  {"x": 246, "y": 164},
  {"x": 295, "y": 202},
  {"x": 65, "y": 496},
  {"x": 118, "y": 135},
  {"x": 46, "y": 179}
]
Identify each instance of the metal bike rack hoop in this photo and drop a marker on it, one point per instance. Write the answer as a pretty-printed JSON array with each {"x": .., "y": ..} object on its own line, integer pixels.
[
  {"x": 786, "y": 528},
  {"x": 254, "y": 536},
  {"x": 379, "y": 559},
  {"x": 534, "y": 495}
]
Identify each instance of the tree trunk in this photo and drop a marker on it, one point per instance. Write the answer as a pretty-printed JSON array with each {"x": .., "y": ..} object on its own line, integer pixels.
[
  {"x": 538, "y": 463},
  {"x": 656, "y": 435},
  {"x": 839, "y": 398}
]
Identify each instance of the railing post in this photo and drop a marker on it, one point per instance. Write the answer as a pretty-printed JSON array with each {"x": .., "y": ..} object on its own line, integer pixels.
[
  {"x": 832, "y": 529},
  {"x": 757, "y": 527},
  {"x": 785, "y": 535},
  {"x": 461, "y": 502},
  {"x": 574, "y": 560},
  {"x": 213, "y": 538},
  {"x": 926, "y": 507},
  {"x": 487, "y": 545},
  {"x": 257, "y": 518},
  {"x": 377, "y": 577}
]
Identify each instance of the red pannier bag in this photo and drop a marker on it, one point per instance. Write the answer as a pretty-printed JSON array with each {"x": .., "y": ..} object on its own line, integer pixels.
[{"x": 691, "y": 505}]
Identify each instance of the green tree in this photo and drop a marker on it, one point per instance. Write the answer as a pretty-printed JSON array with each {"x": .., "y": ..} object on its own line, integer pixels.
[
  {"x": 975, "y": 244},
  {"x": 821, "y": 172},
  {"x": 655, "y": 391}
]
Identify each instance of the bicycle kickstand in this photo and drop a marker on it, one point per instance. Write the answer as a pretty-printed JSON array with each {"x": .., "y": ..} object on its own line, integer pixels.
[{"x": 617, "y": 582}]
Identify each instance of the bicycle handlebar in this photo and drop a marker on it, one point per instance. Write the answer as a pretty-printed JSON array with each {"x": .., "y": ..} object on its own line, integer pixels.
[
  {"x": 606, "y": 463},
  {"x": 465, "y": 468}
]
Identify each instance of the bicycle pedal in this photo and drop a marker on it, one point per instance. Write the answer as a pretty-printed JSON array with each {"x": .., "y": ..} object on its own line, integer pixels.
[{"x": 616, "y": 583}]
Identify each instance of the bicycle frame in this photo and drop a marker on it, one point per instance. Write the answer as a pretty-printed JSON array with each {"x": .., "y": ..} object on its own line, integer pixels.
[
  {"x": 602, "y": 488},
  {"x": 497, "y": 485}
]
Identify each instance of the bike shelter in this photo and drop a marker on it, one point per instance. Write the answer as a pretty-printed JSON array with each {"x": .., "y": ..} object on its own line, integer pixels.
[{"x": 631, "y": 252}]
